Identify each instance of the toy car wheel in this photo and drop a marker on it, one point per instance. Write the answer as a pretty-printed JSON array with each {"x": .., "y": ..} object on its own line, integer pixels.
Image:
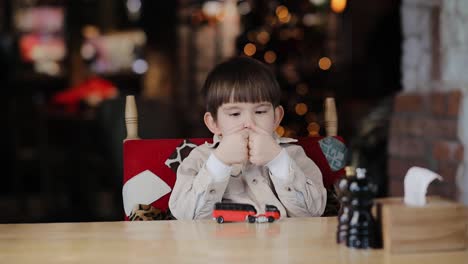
[
  {"x": 271, "y": 219},
  {"x": 251, "y": 219},
  {"x": 220, "y": 219}
]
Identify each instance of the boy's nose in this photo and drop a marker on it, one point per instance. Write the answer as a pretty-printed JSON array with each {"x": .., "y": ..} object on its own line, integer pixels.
[{"x": 248, "y": 122}]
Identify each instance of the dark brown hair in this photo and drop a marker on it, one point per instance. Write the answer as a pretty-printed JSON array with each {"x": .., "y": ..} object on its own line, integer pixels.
[{"x": 240, "y": 79}]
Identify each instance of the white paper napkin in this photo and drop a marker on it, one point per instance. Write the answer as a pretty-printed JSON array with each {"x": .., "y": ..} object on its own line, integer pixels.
[
  {"x": 144, "y": 188},
  {"x": 416, "y": 181}
]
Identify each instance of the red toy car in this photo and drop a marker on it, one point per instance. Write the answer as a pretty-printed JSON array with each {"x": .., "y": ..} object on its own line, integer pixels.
[{"x": 238, "y": 212}]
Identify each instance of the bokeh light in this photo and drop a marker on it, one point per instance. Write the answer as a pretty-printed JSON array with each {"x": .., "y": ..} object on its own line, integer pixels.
[
  {"x": 250, "y": 49},
  {"x": 280, "y": 131},
  {"x": 338, "y": 6},
  {"x": 313, "y": 128},
  {"x": 263, "y": 37},
  {"x": 325, "y": 63},
  {"x": 282, "y": 11},
  {"x": 270, "y": 56},
  {"x": 301, "y": 109}
]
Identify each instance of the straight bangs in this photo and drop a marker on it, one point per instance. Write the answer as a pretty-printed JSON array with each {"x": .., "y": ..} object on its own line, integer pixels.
[
  {"x": 244, "y": 91},
  {"x": 241, "y": 80}
]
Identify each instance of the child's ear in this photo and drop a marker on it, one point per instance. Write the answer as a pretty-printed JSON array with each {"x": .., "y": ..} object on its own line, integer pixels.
[
  {"x": 279, "y": 114},
  {"x": 211, "y": 123}
]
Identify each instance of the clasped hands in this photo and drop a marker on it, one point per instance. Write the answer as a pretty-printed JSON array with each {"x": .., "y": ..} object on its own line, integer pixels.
[{"x": 242, "y": 144}]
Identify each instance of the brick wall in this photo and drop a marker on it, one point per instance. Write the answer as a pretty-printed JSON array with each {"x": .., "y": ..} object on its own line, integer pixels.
[{"x": 423, "y": 132}]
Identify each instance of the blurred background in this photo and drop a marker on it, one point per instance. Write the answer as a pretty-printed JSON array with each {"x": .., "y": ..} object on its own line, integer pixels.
[{"x": 66, "y": 67}]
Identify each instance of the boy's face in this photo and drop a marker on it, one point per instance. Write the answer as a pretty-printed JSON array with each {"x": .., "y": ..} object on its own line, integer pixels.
[{"x": 232, "y": 115}]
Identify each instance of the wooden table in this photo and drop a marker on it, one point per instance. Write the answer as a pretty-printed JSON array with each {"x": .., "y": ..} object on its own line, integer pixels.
[{"x": 293, "y": 240}]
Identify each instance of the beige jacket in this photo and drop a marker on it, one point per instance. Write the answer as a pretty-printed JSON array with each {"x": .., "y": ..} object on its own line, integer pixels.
[{"x": 296, "y": 190}]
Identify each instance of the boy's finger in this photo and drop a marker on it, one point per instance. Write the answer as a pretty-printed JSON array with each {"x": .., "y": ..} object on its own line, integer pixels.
[
  {"x": 245, "y": 134},
  {"x": 259, "y": 130},
  {"x": 235, "y": 129}
]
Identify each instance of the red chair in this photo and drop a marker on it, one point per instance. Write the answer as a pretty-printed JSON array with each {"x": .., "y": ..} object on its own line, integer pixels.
[{"x": 150, "y": 165}]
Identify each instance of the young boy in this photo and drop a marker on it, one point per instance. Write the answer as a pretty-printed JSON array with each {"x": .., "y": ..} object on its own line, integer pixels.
[{"x": 247, "y": 162}]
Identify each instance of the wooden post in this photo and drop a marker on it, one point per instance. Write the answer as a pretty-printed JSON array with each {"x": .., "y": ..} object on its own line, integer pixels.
[
  {"x": 131, "y": 117},
  {"x": 331, "y": 119}
]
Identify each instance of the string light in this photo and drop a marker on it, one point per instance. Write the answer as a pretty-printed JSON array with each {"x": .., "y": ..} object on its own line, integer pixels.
[
  {"x": 310, "y": 20},
  {"x": 90, "y": 31},
  {"x": 338, "y": 6},
  {"x": 324, "y": 63},
  {"x": 212, "y": 8},
  {"x": 87, "y": 51},
  {"x": 313, "y": 129},
  {"x": 285, "y": 19},
  {"x": 317, "y": 2},
  {"x": 140, "y": 66},
  {"x": 280, "y": 131},
  {"x": 270, "y": 56},
  {"x": 244, "y": 8},
  {"x": 283, "y": 14},
  {"x": 301, "y": 109},
  {"x": 282, "y": 11},
  {"x": 133, "y": 6},
  {"x": 250, "y": 49},
  {"x": 263, "y": 37}
]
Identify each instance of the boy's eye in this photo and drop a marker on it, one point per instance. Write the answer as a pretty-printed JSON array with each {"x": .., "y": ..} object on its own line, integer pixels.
[
  {"x": 260, "y": 112},
  {"x": 234, "y": 114}
]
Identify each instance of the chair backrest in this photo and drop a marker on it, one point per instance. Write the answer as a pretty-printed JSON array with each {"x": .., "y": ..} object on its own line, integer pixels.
[{"x": 150, "y": 165}]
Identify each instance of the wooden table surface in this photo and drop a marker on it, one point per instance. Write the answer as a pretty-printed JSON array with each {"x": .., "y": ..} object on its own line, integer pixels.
[{"x": 293, "y": 240}]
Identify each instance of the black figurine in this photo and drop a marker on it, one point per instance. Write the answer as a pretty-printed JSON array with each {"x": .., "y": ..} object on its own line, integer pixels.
[
  {"x": 344, "y": 213},
  {"x": 362, "y": 228}
]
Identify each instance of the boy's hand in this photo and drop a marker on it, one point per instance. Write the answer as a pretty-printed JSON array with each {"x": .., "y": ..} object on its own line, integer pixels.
[
  {"x": 232, "y": 148},
  {"x": 262, "y": 146}
]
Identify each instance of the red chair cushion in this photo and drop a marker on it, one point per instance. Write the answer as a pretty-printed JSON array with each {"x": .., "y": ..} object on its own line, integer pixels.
[{"x": 151, "y": 154}]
